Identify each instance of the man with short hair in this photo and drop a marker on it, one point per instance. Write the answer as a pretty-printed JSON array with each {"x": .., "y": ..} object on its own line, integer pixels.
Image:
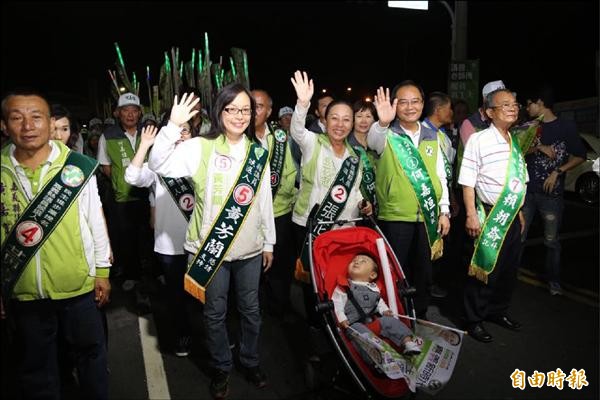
[
  {"x": 411, "y": 186},
  {"x": 116, "y": 149},
  {"x": 55, "y": 252},
  {"x": 285, "y": 118},
  {"x": 478, "y": 120},
  {"x": 438, "y": 114},
  {"x": 318, "y": 125},
  {"x": 494, "y": 172},
  {"x": 283, "y": 172},
  {"x": 560, "y": 149}
]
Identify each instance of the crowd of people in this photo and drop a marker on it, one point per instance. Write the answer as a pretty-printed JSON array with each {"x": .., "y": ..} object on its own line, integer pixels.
[{"x": 196, "y": 200}]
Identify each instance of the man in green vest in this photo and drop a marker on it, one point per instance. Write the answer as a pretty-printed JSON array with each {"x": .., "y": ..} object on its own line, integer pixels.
[
  {"x": 55, "y": 252},
  {"x": 116, "y": 149},
  {"x": 283, "y": 172},
  {"x": 411, "y": 187}
]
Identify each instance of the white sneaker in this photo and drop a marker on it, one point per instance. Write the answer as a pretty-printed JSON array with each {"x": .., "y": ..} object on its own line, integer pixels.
[
  {"x": 411, "y": 348},
  {"x": 555, "y": 289},
  {"x": 128, "y": 285}
]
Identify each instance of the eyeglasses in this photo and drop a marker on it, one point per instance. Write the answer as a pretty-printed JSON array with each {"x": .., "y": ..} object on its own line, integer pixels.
[
  {"x": 412, "y": 102},
  {"x": 236, "y": 111},
  {"x": 508, "y": 106}
]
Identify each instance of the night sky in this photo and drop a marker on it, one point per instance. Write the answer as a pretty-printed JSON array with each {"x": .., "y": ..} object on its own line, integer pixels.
[{"x": 67, "y": 47}]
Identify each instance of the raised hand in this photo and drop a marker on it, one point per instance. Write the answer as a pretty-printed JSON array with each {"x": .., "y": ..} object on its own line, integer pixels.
[
  {"x": 304, "y": 87},
  {"x": 182, "y": 111},
  {"x": 386, "y": 110},
  {"x": 148, "y": 135}
]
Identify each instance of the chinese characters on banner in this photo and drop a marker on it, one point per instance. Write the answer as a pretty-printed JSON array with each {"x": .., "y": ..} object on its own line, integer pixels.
[{"x": 463, "y": 82}]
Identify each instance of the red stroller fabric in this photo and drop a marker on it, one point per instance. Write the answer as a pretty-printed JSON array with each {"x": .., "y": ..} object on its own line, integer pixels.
[{"x": 332, "y": 252}]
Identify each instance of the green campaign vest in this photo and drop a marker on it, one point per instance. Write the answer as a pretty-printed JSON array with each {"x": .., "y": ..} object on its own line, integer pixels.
[
  {"x": 120, "y": 153},
  {"x": 286, "y": 191},
  {"x": 395, "y": 199},
  {"x": 60, "y": 268}
]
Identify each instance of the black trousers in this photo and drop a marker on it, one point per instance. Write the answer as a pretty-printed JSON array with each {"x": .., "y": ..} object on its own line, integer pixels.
[
  {"x": 485, "y": 301},
  {"x": 411, "y": 246},
  {"x": 135, "y": 237},
  {"x": 278, "y": 279}
]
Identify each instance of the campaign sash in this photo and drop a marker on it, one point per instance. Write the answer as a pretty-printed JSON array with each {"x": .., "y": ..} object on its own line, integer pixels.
[
  {"x": 214, "y": 248},
  {"x": 414, "y": 168},
  {"x": 42, "y": 216},
  {"x": 367, "y": 184},
  {"x": 277, "y": 159},
  {"x": 497, "y": 223},
  {"x": 182, "y": 194},
  {"x": 330, "y": 209}
]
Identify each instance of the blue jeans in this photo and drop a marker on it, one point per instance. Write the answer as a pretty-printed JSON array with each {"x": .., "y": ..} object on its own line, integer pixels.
[
  {"x": 246, "y": 276},
  {"x": 551, "y": 210},
  {"x": 80, "y": 321}
]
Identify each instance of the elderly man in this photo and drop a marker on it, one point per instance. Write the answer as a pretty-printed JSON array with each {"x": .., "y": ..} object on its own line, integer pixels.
[
  {"x": 494, "y": 172},
  {"x": 283, "y": 172},
  {"x": 116, "y": 149},
  {"x": 55, "y": 252}
]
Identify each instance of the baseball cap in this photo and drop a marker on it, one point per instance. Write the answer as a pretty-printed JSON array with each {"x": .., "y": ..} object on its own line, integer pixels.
[
  {"x": 148, "y": 117},
  {"x": 492, "y": 86},
  {"x": 128, "y": 99},
  {"x": 109, "y": 121},
  {"x": 284, "y": 111},
  {"x": 95, "y": 121}
]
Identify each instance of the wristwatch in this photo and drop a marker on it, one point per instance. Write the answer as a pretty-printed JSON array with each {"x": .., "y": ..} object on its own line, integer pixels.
[
  {"x": 559, "y": 171},
  {"x": 445, "y": 214}
]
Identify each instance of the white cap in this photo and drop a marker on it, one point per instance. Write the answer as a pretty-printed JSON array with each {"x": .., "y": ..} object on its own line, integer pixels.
[
  {"x": 95, "y": 121},
  {"x": 128, "y": 99},
  {"x": 284, "y": 111},
  {"x": 492, "y": 86}
]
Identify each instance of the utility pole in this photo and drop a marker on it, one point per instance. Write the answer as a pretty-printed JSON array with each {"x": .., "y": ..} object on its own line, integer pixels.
[{"x": 458, "y": 24}]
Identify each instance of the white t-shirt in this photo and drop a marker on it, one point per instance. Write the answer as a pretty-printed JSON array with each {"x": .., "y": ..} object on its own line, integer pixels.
[{"x": 169, "y": 225}]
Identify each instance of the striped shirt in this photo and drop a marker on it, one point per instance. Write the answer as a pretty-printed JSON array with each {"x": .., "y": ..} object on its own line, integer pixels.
[{"x": 485, "y": 163}]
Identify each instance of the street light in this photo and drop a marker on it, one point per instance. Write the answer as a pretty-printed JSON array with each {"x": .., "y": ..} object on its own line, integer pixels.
[{"x": 349, "y": 89}]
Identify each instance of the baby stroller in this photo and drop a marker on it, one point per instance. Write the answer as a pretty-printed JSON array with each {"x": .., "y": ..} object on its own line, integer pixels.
[{"x": 330, "y": 254}]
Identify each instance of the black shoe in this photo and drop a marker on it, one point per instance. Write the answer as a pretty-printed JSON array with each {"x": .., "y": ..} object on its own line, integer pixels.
[
  {"x": 219, "y": 385},
  {"x": 505, "y": 322},
  {"x": 182, "y": 347},
  {"x": 478, "y": 332},
  {"x": 256, "y": 377}
]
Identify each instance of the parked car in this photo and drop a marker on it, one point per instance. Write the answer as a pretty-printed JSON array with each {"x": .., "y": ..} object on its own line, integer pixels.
[{"x": 582, "y": 179}]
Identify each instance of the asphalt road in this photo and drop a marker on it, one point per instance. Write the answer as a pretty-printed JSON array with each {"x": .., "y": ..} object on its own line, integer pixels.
[{"x": 558, "y": 332}]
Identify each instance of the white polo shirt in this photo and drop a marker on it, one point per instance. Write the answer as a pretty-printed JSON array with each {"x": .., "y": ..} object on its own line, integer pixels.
[{"x": 485, "y": 163}]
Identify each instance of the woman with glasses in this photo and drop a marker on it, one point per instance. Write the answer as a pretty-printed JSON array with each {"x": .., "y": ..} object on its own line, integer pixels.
[
  {"x": 411, "y": 186},
  {"x": 231, "y": 232}
]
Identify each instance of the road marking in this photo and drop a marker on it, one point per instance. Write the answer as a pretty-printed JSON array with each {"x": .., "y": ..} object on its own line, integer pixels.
[
  {"x": 568, "y": 294},
  {"x": 156, "y": 378}
]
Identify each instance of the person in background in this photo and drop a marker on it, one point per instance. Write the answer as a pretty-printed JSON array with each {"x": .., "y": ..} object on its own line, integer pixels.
[
  {"x": 318, "y": 125},
  {"x": 560, "y": 149},
  {"x": 116, "y": 149},
  {"x": 173, "y": 201},
  {"x": 149, "y": 120},
  {"x": 278, "y": 279},
  {"x": 66, "y": 128},
  {"x": 200, "y": 121}
]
